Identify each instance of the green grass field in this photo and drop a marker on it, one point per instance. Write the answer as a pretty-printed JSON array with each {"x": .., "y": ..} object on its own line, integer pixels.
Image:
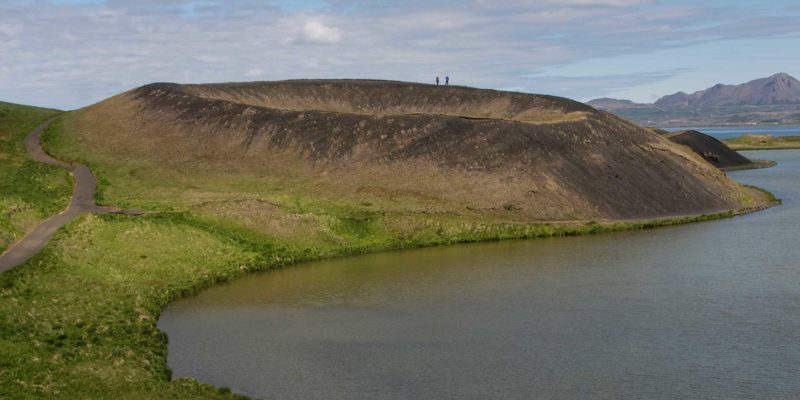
[
  {"x": 79, "y": 319},
  {"x": 763, "y": 142},
  {"x": 29, "y": 191}
]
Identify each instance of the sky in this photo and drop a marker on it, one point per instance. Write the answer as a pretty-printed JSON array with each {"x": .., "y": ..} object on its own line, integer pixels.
[{"x": 72, "y": 53}]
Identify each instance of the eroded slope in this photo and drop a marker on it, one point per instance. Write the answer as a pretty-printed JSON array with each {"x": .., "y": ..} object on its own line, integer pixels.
[{"x": 393, "y": 98}]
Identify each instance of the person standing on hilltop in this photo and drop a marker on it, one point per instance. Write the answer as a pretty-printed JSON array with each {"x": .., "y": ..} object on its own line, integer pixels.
[
  {"x": 446, "y": 80},
  {"x": 437, "y": 81}
]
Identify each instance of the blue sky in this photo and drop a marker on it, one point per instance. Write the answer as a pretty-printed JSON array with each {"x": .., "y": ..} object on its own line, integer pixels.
[{"x": 72, "y": 53}]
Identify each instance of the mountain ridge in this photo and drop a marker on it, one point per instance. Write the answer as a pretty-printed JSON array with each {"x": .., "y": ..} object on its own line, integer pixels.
[
  {"x": 765, "y": 101},
  {"x": 778, "y": 89}
]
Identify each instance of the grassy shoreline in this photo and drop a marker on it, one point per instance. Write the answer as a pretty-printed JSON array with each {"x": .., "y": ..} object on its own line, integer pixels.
[
  {"x": 763, "y": 142},
  {"x": 79, "y": 320},
  {"x": 130, "y": 323},
  {"x": 756, "y": 164}
]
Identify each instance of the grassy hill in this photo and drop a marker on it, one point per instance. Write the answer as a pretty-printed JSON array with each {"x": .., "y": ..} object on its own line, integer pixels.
[
  {"x": 239, "y": 186},
  {"x": 384, "y": 149}
]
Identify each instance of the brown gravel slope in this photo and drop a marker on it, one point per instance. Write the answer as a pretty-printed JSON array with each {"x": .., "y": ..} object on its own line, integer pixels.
[{"x": 523, "y": 157}]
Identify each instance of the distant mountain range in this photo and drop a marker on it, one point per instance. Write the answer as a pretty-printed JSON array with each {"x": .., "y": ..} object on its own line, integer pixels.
[
  {"x": 610, "y": 104},
  {"x": 772, "y": 100}
]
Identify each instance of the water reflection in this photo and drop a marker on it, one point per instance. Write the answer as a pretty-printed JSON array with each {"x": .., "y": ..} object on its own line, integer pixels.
[{"x": 708, "y": 310}]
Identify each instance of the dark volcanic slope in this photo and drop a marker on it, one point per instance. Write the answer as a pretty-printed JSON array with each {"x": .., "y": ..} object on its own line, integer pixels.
[
  {"x": 709, "y": 148},
  {"x": 455, "y": 127},
  {"x": 543, "y": 157}
]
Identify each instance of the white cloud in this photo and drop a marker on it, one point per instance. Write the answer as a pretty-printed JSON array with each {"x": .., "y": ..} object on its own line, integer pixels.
[
  {"x": 9, "y": 29},
  {"x": 70, "y": 55},
  {"x": 622, "y": 3},
  {"x": 561, "y": 3},
  {"x": 253, "y": 72},
  {"x": 315, "y": 31},
  {"x": 588, "y": 87}
]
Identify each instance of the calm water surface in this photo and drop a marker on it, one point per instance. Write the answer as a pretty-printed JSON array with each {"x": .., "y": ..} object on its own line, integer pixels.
[
  {"x": 736, "y": 131},
  {"x": 702, "y": 311}
]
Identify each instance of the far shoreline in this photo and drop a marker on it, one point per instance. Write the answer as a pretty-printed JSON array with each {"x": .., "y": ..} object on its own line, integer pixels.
[
  {"x": 731, "y": 126},
  {"x": 763, "y": 142}
]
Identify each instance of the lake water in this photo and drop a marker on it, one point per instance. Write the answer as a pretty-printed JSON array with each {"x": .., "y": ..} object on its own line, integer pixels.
[
  {"x": 701, "y": 311},
  {"x": 736, "y": 131}
]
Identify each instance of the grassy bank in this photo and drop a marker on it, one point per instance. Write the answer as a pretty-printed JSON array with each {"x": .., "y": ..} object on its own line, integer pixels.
[
  {"x": 79, "y": 319},
  {"x": 771, "y": 199},
  {"x": 29, "y": 191},
  {"x": 763, "y": 142}
]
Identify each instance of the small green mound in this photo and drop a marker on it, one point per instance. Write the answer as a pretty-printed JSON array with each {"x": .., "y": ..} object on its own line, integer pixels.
[{"x": 763, "y": 142}]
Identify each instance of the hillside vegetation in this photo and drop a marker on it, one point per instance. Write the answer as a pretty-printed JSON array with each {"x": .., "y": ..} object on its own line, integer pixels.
[{"x": 29, "y": 191}]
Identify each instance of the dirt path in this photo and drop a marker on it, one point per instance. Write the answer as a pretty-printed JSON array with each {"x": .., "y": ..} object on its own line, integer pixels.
[{"x": 82, "y": 201}]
